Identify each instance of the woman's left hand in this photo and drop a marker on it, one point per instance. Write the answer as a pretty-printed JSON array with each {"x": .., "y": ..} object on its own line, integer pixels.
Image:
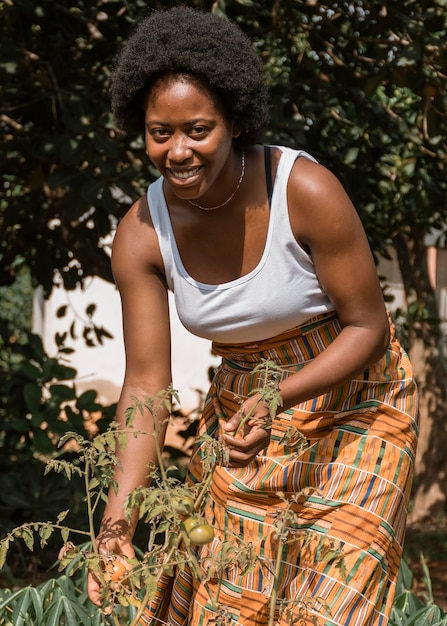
[{"x": 252, "y": 437}]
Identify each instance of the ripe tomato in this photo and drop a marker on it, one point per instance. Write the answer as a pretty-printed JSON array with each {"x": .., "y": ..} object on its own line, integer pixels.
[
  {"x": 115, "y": 570},
  {"x": 200, "y": 534},
  {"x": 183, "y": 505}
]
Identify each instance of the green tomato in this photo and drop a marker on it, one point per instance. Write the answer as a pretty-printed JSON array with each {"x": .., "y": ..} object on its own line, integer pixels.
[
  {"x": 183, "y": 505},
  {"x": 200, "y": 534},
  {"x": 189, "y": 523}
]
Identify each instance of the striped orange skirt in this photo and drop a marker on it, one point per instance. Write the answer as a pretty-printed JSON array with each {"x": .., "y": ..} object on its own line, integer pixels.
[{"x": 309, "y": 536}]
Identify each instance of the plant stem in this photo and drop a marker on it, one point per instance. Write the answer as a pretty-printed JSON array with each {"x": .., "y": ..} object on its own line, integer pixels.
[
  {"x": 277, "y": 574},
  {"x": 91, "y": 527},
  {"x": 177, "y": 541},
  {"x": 161, "y": 466},
  {"x": 245, "y": 419},
  {"x": 203, "y": 491}
]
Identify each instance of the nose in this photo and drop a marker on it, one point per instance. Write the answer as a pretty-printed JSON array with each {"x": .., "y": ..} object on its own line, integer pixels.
[{"x": 180, "y": 149}]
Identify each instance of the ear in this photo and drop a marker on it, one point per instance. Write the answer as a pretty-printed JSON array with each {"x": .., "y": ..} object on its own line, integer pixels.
[{"x": 236, "y": 130}]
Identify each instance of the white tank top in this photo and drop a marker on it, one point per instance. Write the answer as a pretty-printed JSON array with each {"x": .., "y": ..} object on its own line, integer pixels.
[{"x": 280, "y": 293}]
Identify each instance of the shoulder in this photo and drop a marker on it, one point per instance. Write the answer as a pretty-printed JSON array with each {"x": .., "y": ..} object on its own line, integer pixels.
[
  {"x": 318, "y": 203},
  {"x": 135, "y": 246},
  {"x": 312, "y": 181}
]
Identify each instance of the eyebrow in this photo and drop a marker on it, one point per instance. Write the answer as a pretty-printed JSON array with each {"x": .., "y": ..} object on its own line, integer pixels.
[{"x": 187, "y": 123}]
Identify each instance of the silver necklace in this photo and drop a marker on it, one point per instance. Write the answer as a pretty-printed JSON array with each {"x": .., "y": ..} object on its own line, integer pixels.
[{"x": 213, "y": 208}]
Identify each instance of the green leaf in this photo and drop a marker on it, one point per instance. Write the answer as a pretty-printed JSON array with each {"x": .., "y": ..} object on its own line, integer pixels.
[
  {"x": 10, "y": 598},
  {"x": 62, "y": 392},
  {"x": 28, "y": 537},
  {"x": 87, "y": 401},
  {"x": 62, "y": 515},
  {"x": 42, "y": 441},
  {"x": 350, "y": 156},
  {"x": 91, "y": 190},
  {"x": 405, "y": 577},
  {"x": 37, "y": 602},
  {"x": 33, "y": 395},
  {"x": 70, "y": 151},
  {"x": 4, "y": 546},
  {"x": 31, "y": 371},
  {"x": 53, "y": 614},
  {"x": 45, "y": 533},
  {"x": 61, "y": 311},
  {"x": 93, "y": 483},
  {"x": 21, "y": 607}
]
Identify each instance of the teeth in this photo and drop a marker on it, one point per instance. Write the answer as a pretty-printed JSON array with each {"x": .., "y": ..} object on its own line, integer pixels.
[{"x": 185, "y": 175}]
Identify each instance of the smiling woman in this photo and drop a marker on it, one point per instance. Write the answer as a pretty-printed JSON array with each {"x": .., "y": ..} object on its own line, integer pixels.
[{"x": 267, "y": 258}]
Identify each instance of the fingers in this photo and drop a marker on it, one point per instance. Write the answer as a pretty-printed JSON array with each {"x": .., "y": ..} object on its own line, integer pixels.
[
  {"x": 242, "y": 450},
  {"x": 111, "y": 550},
  {"x": 233, "y": 423}
]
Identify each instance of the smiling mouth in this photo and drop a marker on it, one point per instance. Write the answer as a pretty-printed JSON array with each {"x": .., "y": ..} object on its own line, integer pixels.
[{"x": 184, "y": 175}]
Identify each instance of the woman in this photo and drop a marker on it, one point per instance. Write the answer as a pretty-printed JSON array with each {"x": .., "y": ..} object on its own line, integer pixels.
[{"x": 267, "y": 258}]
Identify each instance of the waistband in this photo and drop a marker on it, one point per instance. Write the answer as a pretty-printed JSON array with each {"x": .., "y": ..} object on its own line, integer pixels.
[{"x": 296, "y": 345}]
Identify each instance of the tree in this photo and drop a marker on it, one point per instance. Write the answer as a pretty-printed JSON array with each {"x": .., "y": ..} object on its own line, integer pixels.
[
  {"x": 360, "y": 84},
  {"x": 67, "y": 173}
]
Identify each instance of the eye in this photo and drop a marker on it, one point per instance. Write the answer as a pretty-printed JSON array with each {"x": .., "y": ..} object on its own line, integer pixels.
[
  {"x": 198, "y": 131},
  {"x": 159, "y": 133}
]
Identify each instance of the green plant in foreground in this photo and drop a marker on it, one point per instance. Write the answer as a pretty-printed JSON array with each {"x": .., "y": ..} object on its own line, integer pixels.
[
  {"x": 172, "y": 512},
  {"x": 56, "y": 602},
  {"x": 409, "y": 609}
]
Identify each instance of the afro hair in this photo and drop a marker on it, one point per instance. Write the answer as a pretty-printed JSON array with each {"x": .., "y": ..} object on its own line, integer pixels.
[{"x": 183, "y": 40}]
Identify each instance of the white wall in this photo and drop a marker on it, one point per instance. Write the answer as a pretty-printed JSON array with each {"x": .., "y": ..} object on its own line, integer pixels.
[{"x": 102, "y": 367}]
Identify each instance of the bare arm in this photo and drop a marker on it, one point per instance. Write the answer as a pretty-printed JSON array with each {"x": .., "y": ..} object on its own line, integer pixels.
[
  {"x": 326, "y": 224},
  {"x": 325, "y": 221},
  {"x": 138, "y": 272}
]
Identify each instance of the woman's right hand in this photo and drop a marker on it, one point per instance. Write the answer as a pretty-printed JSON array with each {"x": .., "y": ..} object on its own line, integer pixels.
[{"x": 113, "y": 541}]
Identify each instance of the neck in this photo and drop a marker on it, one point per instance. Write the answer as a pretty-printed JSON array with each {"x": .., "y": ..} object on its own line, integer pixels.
[{"x": 218, "y": 206}]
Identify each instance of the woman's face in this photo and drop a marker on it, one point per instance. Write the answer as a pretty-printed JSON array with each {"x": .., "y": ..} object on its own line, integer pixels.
[{"x": 189, "y": 137}]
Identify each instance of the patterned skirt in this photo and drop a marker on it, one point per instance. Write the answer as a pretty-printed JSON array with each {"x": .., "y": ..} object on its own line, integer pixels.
[{"x": 313, "y": 536}]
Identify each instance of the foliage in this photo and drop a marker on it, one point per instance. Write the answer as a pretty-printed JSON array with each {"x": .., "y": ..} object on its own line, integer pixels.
[
  {"x": 66, "y": 175},
  {"x": 60, "y": 601},
  {"x": 39, "y": 401},
  {"x": 167, "y": 506},
  {"x": 409, "y": 609},
  {"x": 16, "y": 306},
  {"x": 63, "y": 600}
]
